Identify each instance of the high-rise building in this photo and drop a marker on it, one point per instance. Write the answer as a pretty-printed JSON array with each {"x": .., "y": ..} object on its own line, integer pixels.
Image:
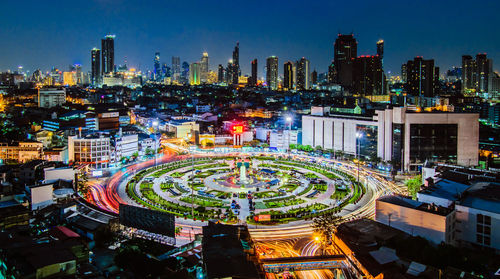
[
  {"x": 368, "y": 76},
  {"x": 476, "y": 74},
  {"x": 229, "y": 72},
  {"x": 253, "y": 78},
  {"x": 483, "y": 70},
  {"x": 404, "y": 73},
  {"x": 332, "y": 73},
  {"x": 468, "y": 73},
  {"x": 236, "y": 64},
  {"x": 157, "y": 70},
  {"x": 176, "y": 68},
  {"x": 380, "y": 48},
  {"x": 166, "y": 71},
  {"x": 314, "y": 77},
  {"x": 421, "y": 77},
  {"x": 303, "y": 82},
  {"x": 95, "y": 73},
  {"x": 346, "y": 49},
  {"x": 204, "y": 68},
  {"x": 288, "y": 76},
  {"x": 272, "y": 72},
  {"x": 220, "y": 74},
  {"x": 79, "y": 74},
  {"x": 195, "y": 73},
  {"x": 185, "y": 72},
  {"x": 108, "y": 54}
]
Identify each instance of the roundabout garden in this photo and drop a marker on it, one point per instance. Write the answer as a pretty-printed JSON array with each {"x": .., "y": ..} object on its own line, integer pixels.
[{"x": 265, "y": 190}]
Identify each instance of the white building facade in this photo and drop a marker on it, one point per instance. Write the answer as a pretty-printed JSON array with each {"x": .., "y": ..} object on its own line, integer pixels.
[
  {"x": 398, "y": 135},
  {"x": 93, "y": 151}
]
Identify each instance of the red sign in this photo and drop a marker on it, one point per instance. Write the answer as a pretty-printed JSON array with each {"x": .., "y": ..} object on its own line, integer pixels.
[
  {"x": 237, "y": 129},
  {"x": 262, "y": 217}
]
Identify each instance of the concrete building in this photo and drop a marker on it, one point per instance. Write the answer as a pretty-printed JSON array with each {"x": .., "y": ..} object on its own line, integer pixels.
[
  {"x": 51, "y": 97},
  {"x": 126, "y": 145},
  {"x": 21, "y": 151},
  {"x": 282, "y": 139},
  {"x": 92, "y": 150},
  {"x": 435, "y": 223},
  {"x": 182, "y": 127},
  {"x": 478, "y": 216},
  {"x": 398, "y": 135}
]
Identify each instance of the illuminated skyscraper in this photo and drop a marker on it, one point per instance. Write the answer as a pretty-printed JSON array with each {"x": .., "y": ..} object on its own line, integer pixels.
[
  {"x": 346, "y": 48},
  {"x": 332, "y": 73},
  {"x": 194, "y": 73},
  {"x": 236, "y": 64},
  {"x": 483, "y": 70},
  {"x": 421, "y": 76},
  {"x": 95, "y": 74},
  {"x": 176, "y": 68},
  {"x": 314, "y": 77},
  {"x": 157, "y": 70},
  {"x": 185, "y": 72},
  {"x": 79, "y": 74},
  {"x": 108, "y": 54},
  {"x": 252, "y": 81},
  {"x": 272, "y": 72},
  {"x": 204, "y": 67},
  {"x": 368, "y": 77},
  {"x": 380, "y": 48},
  {"x": 229, "y": 72},
  {"x": 303, "y": 74},
  {"x": 468, "y": 73},
  {"x": 288, "y": 75},
  {"x": 220, "y": 74}
]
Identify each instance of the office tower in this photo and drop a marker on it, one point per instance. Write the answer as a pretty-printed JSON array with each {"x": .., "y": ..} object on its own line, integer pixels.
[
  {"x": 194, "y": 73},
  {"x": 95, "y": 75},
  {"x": 204, "y": 68},
  {"x": 368, "y": 76},
  {"x": 253, "y": 77},
  {"x": 288, "y": 76},
  {"x": 380, "y": 48},
  {"x": 404, "y": 73},
  {"x": 166, "y": 71},
  {"x": 157, "y": 70},
  {"x": 476, "y": 74},
  {"x": 220, "y": 74},
  {"x": 236, "y": 64},
  {"x": 346, "y": 49},
  {"x": 108, "y": 54},
  {"x": 314, "y": 77},
  {"x": 229, "y": 72},
  {"x": 78, "y": 73},
  {"x": 185, "y": 72},
  {"x": 483, "y": 70},
  {"x": 176, "y": 68},
  {"x": 420, "y": 77},
  {"x": 468, "y": 73},
  {"x": 331, "y": 73},
  {"x": 272, "y": 72},
  {"x": 303, "y": 74}
]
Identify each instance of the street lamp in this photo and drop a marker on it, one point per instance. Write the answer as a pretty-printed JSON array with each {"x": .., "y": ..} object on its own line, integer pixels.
[
  {"x": 289, "y": 121},
  {"x": 187, "y": 138},
  {"x": 359, "y": 135}
]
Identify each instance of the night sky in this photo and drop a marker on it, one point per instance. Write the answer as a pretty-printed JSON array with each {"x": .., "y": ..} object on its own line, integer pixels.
[{"x": 43, "y": 34}]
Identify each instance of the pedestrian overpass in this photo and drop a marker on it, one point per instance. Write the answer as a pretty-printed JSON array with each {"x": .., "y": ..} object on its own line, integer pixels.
[{"x": 278, "y": 265}]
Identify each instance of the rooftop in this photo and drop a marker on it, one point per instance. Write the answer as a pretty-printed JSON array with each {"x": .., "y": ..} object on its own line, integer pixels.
[
  {"x": 409, "y": 203},
  {"x": 484, "y": 196},
  {"x": 445, "y": 189}
]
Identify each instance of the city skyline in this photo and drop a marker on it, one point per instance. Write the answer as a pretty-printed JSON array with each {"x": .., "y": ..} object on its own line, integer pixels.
[{"x": 137, "y": 41}]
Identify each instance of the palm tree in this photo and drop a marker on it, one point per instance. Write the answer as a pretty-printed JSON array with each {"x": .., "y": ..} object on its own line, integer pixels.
[{"x": 326, "y": 224}]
